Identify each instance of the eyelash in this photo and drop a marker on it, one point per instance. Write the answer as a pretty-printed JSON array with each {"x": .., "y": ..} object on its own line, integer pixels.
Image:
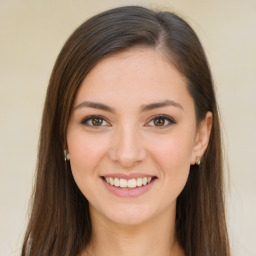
[
  {"x": 170, "y": 120},
  {"x": 89, "y": 118}
]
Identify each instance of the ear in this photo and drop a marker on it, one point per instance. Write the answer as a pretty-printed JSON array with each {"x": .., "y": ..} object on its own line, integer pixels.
[{"x": 202, "y": 138}]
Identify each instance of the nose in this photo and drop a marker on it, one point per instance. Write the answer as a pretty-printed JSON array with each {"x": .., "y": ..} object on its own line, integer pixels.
[{"x": 127, "y": 147}]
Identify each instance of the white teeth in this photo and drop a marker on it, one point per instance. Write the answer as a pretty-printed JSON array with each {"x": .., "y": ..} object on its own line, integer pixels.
[
  {"x": 139, "y": 182},
  {"x": 131, "y": 183},
  {"x": 123, "y": 183},
  {"x": 116, "y": 182}
]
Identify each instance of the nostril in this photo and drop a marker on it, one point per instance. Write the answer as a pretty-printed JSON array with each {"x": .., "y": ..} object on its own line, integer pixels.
[{"x": 128, "y": 152}]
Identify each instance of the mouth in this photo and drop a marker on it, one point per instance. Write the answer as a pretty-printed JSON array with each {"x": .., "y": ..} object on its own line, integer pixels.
[{"x": 129, "y": 183}]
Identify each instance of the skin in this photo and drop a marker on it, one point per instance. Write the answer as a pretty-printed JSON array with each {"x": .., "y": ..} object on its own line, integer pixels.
[{"x": 129, "y": 141}]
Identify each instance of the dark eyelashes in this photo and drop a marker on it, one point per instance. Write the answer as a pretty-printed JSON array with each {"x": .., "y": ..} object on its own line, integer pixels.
[
  {"x": 170, "y": 121},
  {"x": 88, "y": 118},
  {"x": 168, "y": 118}
]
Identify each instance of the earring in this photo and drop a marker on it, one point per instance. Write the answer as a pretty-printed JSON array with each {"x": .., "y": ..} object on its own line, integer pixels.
[
  {"x": 66, "y": 157},
  {"x": 198, "y": 160}
]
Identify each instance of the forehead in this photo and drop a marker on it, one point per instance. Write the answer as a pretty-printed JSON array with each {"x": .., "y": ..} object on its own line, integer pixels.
[{"x": 137, "y": 75}]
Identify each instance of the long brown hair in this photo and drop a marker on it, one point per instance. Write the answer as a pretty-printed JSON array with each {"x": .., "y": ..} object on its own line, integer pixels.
[{"x": 60, "y": 221}]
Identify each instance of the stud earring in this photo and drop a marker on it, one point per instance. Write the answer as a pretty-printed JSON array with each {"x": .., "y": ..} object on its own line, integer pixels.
[
  {"x": 198, "y": 160},
  {"x": 66, "y": 157}
]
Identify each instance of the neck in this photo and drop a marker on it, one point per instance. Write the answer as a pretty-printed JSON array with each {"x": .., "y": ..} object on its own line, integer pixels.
[{"x": 154, "y": 237}]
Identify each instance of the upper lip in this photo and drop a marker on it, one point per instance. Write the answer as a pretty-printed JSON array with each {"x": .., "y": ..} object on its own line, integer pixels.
[{"x": 127, "y": 176}]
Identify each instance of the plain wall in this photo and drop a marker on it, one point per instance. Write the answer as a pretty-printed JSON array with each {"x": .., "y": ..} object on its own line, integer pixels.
[{"x": 32, "y": 34}]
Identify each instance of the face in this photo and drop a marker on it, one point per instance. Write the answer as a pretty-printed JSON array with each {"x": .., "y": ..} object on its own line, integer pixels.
[{"x": 132, "y": 137}]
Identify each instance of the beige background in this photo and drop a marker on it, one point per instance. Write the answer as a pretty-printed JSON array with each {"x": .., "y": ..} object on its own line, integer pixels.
[{"x": 31, "y": 35}]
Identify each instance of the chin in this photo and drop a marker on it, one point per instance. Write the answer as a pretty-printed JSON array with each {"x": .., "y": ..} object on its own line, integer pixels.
[
  {"x": 129, "y": 220},
  {"x": 127, "y": 215}
]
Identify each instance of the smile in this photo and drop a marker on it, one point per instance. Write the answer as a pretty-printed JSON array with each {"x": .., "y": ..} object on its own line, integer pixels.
[
  {"x": 124, "y": 186},
  {"x": 128, "y": 183}
]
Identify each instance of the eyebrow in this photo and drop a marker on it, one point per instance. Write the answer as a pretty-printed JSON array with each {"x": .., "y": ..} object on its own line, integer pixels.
[
  {"x": 143, "y": 108},
  {"x": 160, "y": 105},
  {"x": 95, "y": 105}
]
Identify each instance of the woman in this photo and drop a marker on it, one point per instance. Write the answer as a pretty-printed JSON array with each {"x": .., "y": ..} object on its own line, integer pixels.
[{"x": 130, "y": 159}]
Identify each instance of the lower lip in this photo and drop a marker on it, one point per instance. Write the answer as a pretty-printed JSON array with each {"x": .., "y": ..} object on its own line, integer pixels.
[{"x": 129, "y": 192}]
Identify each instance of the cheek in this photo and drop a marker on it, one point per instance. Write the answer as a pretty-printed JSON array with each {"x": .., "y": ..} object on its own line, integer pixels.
[
  {"x": 86, "y": 151},
  {"x": 173, "y": 150},
  {"x": 173, "y": 157}
]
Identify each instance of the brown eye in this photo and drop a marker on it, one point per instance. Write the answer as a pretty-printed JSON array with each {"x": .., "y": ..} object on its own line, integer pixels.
[
  {"x": 94, "y": 121},
  {"x": 97, "y": 121},
  {"x": 159, "y": 121}
]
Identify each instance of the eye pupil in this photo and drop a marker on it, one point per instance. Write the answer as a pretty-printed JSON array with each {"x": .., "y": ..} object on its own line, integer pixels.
[
  {"x": 97, "y": 121},
  {"x": 159, "y": 121}
]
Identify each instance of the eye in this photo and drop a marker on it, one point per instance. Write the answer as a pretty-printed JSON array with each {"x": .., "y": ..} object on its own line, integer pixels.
[
  {"x": 94, "y": 121},
  {"x": 161, "y": 121}
]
